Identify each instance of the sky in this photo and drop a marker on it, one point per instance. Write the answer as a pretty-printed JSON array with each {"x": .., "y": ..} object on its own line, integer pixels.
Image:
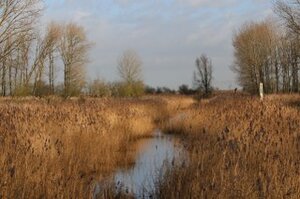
[{"x": 168, "y": 35}]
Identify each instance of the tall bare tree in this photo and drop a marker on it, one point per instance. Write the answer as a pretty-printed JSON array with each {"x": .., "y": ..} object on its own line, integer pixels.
[
  {"x": 265, "y": 54},
  {"x": 203, "y": 74},
  {"x": 16, "y": 17},
  {"x": 130, "y": 67},
  {"x": 27, "y": 57},
  {"x": 289, "y": 11},
  {"x": 255, "y": 51},
  {"x": 130, "y": 71},
  {"x": 45, "y": 53},
  {"x": 73, "y": 50}
]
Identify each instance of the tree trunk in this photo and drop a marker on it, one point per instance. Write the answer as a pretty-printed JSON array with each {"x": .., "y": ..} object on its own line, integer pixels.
[
  {"x": 3, "y": 82},
  {"x": 51, "y": 73},
  {"x": 10, "y": 80}
]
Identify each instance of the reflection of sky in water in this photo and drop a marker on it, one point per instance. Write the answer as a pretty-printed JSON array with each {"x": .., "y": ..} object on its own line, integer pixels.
[{"x": 154, "y": 155}]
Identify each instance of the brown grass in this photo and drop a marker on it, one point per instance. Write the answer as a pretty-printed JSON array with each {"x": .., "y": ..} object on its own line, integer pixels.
[
  {"x": 240, "y": 147},
  {"x": 54, "y": 148}
]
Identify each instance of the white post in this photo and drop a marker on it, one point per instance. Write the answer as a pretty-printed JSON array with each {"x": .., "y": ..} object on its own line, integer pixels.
[{"x": 261, "y": 91}]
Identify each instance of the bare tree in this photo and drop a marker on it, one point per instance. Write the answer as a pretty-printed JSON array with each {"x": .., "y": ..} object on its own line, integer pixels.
[
  {"x": 255, "y": 50},
  {"x": 264, "y": 54},
  {"x": 289, "y": 11},
  {"x": 34, "y": 52},
  {"x": 130, "y": 67},
  {"x": 27, "y": 57},
  {"x": 73, "y": 50},
  {"x": 16, "y": 17},
  {"x": 48, "y": 48},
  {"x": 203, "y": 74},
  {"x": 130, "y": 71}
]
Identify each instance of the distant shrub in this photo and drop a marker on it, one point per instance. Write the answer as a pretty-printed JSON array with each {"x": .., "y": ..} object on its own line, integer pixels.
[
  {"x": 123, "y": 89},
  {"x": 98, "y": 88},
  {"x": 185, "y": 90},
  {"x": 41, "y": 89},
  {"x": 150, "y": 90},
  {"x": 22, "y": 91}
]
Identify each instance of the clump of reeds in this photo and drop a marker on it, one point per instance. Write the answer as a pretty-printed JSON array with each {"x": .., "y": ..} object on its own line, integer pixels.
[
  {"x": 239, "y": 147},
  {"x": 56, "y": 148}
]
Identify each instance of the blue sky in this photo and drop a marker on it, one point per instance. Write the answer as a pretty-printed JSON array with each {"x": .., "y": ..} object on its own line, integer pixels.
[{"x": 167, "y": 34}]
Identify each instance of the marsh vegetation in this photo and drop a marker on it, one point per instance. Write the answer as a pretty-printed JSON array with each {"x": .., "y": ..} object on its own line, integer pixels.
[
  {"x": 239, "y": 147},
  {"x": 60, "y": 148},
  {"x": 64, "y": 136}
]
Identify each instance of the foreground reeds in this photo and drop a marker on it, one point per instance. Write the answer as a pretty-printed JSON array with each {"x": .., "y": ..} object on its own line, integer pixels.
[
  {"x": 239, "y": 147},
  {"x": 54, "y": 148}
]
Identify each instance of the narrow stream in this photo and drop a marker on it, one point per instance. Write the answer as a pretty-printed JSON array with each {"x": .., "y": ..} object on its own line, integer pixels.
[{"x": 154, "y": 156}]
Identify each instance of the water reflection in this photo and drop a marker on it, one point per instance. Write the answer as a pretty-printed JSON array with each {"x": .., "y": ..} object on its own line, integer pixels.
[{"x": 155, "y": 155}]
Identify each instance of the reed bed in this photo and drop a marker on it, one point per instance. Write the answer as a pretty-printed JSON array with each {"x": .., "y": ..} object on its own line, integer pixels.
[
  {"x": 55, "y": 148},
  {"x": 239, "y": 147}
]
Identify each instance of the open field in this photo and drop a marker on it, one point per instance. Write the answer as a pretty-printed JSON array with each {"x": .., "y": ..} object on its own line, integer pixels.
[
  {"x": 54, "y": 148},
  {"x": 239, "y": 147}
]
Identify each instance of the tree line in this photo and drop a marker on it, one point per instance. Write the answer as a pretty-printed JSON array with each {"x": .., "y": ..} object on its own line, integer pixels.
[
  {"x": 32, "y": 60},
  {"x": 29, "y": 58},
  {"x": 268, "y": 53}
]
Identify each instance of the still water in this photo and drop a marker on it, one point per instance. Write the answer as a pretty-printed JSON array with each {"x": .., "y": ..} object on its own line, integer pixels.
[{"x": 155, "y": 155}]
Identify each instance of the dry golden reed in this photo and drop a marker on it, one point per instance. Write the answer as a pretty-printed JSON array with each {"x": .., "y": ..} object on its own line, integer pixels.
[
  {"x": 54, "y": 148},
  {"x": 240, "y": 147}
]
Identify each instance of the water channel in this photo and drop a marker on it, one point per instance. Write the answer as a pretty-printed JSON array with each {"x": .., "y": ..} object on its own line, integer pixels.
[{"x": 154, "y": 156}]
